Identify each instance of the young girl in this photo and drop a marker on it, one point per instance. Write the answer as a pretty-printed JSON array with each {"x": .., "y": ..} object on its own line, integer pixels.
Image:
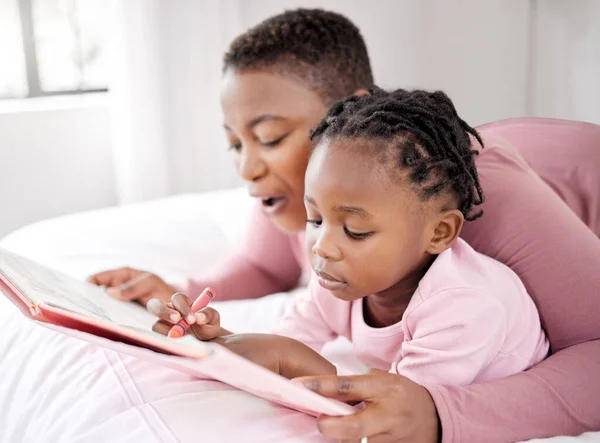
[{"x": 388, "y": 187}]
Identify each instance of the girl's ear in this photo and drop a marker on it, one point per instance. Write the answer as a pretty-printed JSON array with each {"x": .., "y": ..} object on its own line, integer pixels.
[
  {"x": 447, "y": 229},
  {"x": 361, "y": 92}
]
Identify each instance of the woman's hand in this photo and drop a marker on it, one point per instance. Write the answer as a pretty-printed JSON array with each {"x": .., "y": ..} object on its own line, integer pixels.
[
  {"x": 397, "y": 409},
  {"x": 129, "y": 284},
  {"x": 205, "y": 324}
]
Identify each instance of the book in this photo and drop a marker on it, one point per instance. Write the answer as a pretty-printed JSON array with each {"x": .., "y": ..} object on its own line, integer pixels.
[{"x": 85, "y": 311}]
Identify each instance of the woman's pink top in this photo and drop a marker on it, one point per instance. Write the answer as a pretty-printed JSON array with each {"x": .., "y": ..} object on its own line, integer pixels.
[{"x": 528, "y": 226}]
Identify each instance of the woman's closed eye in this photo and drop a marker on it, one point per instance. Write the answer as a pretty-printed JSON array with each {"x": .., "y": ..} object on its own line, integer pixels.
[
  {"x": 237, "y": 146},
  {"x": 274, "y": 142}
]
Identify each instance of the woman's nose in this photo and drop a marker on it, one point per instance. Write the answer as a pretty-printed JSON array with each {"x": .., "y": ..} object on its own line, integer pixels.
[{"x": 251, "y": 166}]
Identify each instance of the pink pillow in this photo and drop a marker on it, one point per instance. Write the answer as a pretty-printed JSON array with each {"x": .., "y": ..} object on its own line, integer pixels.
[{"x": 527, "y": 226}]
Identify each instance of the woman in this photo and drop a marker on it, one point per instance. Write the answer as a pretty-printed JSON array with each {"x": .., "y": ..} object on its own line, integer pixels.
[{"x": 279, "y": 79}]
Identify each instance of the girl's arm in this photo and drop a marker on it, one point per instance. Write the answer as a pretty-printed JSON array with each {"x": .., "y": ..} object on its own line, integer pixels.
[
  {"x": 286, "y": 356},
  {"x": 282, "y": 355}
]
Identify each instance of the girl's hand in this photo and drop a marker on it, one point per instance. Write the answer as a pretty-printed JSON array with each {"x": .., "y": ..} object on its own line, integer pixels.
[
  {"x": 129, "y": 284},
  {"x": 282, "y": 355},
  {"x": 397, "y": 409},
  {"x": 204, "y": 325}
]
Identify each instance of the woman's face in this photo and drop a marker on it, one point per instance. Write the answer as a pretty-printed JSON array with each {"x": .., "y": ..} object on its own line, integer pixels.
[{"x": 267, "y": 120}]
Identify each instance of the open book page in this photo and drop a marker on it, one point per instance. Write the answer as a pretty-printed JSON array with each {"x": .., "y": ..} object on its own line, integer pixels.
[{"x": 43, "y": 286}]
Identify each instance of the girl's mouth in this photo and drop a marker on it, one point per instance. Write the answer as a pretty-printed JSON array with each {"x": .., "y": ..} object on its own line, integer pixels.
[{"x": 330, "y": 283}]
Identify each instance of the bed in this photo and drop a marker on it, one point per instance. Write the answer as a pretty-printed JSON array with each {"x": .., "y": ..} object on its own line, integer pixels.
[{"x": 56, "y": 388}]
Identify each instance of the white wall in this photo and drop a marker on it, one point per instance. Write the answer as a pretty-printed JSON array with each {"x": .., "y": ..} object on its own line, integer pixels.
[
  {"x": 195, "y": 36},
  {"x": 55, "y": 158},
  {"x": 566, "y": 60},
  {"x": 168, "y": 126}
]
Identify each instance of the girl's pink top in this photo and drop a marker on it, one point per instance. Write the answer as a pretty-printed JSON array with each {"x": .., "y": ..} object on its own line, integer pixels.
[{"x": 470, "y": 320}]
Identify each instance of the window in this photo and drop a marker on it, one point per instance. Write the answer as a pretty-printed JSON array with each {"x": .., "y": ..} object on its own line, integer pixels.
[{"x": 50, "y": 47}]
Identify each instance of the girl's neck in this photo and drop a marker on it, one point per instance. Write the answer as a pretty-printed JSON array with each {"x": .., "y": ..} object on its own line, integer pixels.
[{"x": 386, "y": 308}]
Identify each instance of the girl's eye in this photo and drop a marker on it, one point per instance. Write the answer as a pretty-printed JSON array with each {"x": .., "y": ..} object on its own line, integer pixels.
[
  {"x": 235, "y": 147},
  {"x": 315, "y": 223},
  {"x": 273, "y": 143},
  {"x": 357, "y": 235}
]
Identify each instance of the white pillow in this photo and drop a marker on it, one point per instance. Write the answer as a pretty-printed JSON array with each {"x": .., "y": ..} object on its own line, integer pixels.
[{"x": 176, "y": 237}]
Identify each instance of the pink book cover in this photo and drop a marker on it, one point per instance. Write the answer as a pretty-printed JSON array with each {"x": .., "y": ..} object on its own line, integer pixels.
[{"x": 85, "y": 311}]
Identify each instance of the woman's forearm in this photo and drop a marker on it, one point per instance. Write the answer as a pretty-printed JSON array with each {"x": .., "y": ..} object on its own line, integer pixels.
[
  {"x": 237, "y": 278},
  {"x": 560, "y": 396}
]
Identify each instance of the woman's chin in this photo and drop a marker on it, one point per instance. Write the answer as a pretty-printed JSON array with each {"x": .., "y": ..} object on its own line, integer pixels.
[{"x": 289, "y": 221}]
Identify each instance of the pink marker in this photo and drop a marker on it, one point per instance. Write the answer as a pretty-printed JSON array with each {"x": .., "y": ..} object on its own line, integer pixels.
[{"x": 179, "y": 329}]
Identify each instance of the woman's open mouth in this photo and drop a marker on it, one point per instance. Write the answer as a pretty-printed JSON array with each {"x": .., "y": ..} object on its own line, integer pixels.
[{"x": 273, "y": 205}]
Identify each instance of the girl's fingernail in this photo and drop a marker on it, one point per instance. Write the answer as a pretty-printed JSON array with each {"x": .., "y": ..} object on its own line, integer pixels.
[
  {"x": 200, "y": 317},
  {"x": 174, "y": 317},
  {"x": 191, "y": 318}
]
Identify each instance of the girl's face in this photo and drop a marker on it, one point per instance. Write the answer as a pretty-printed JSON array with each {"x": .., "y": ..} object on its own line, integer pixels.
[
  {"x": 267, "y": 120},
  {"x": 367, "y": 231}
]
